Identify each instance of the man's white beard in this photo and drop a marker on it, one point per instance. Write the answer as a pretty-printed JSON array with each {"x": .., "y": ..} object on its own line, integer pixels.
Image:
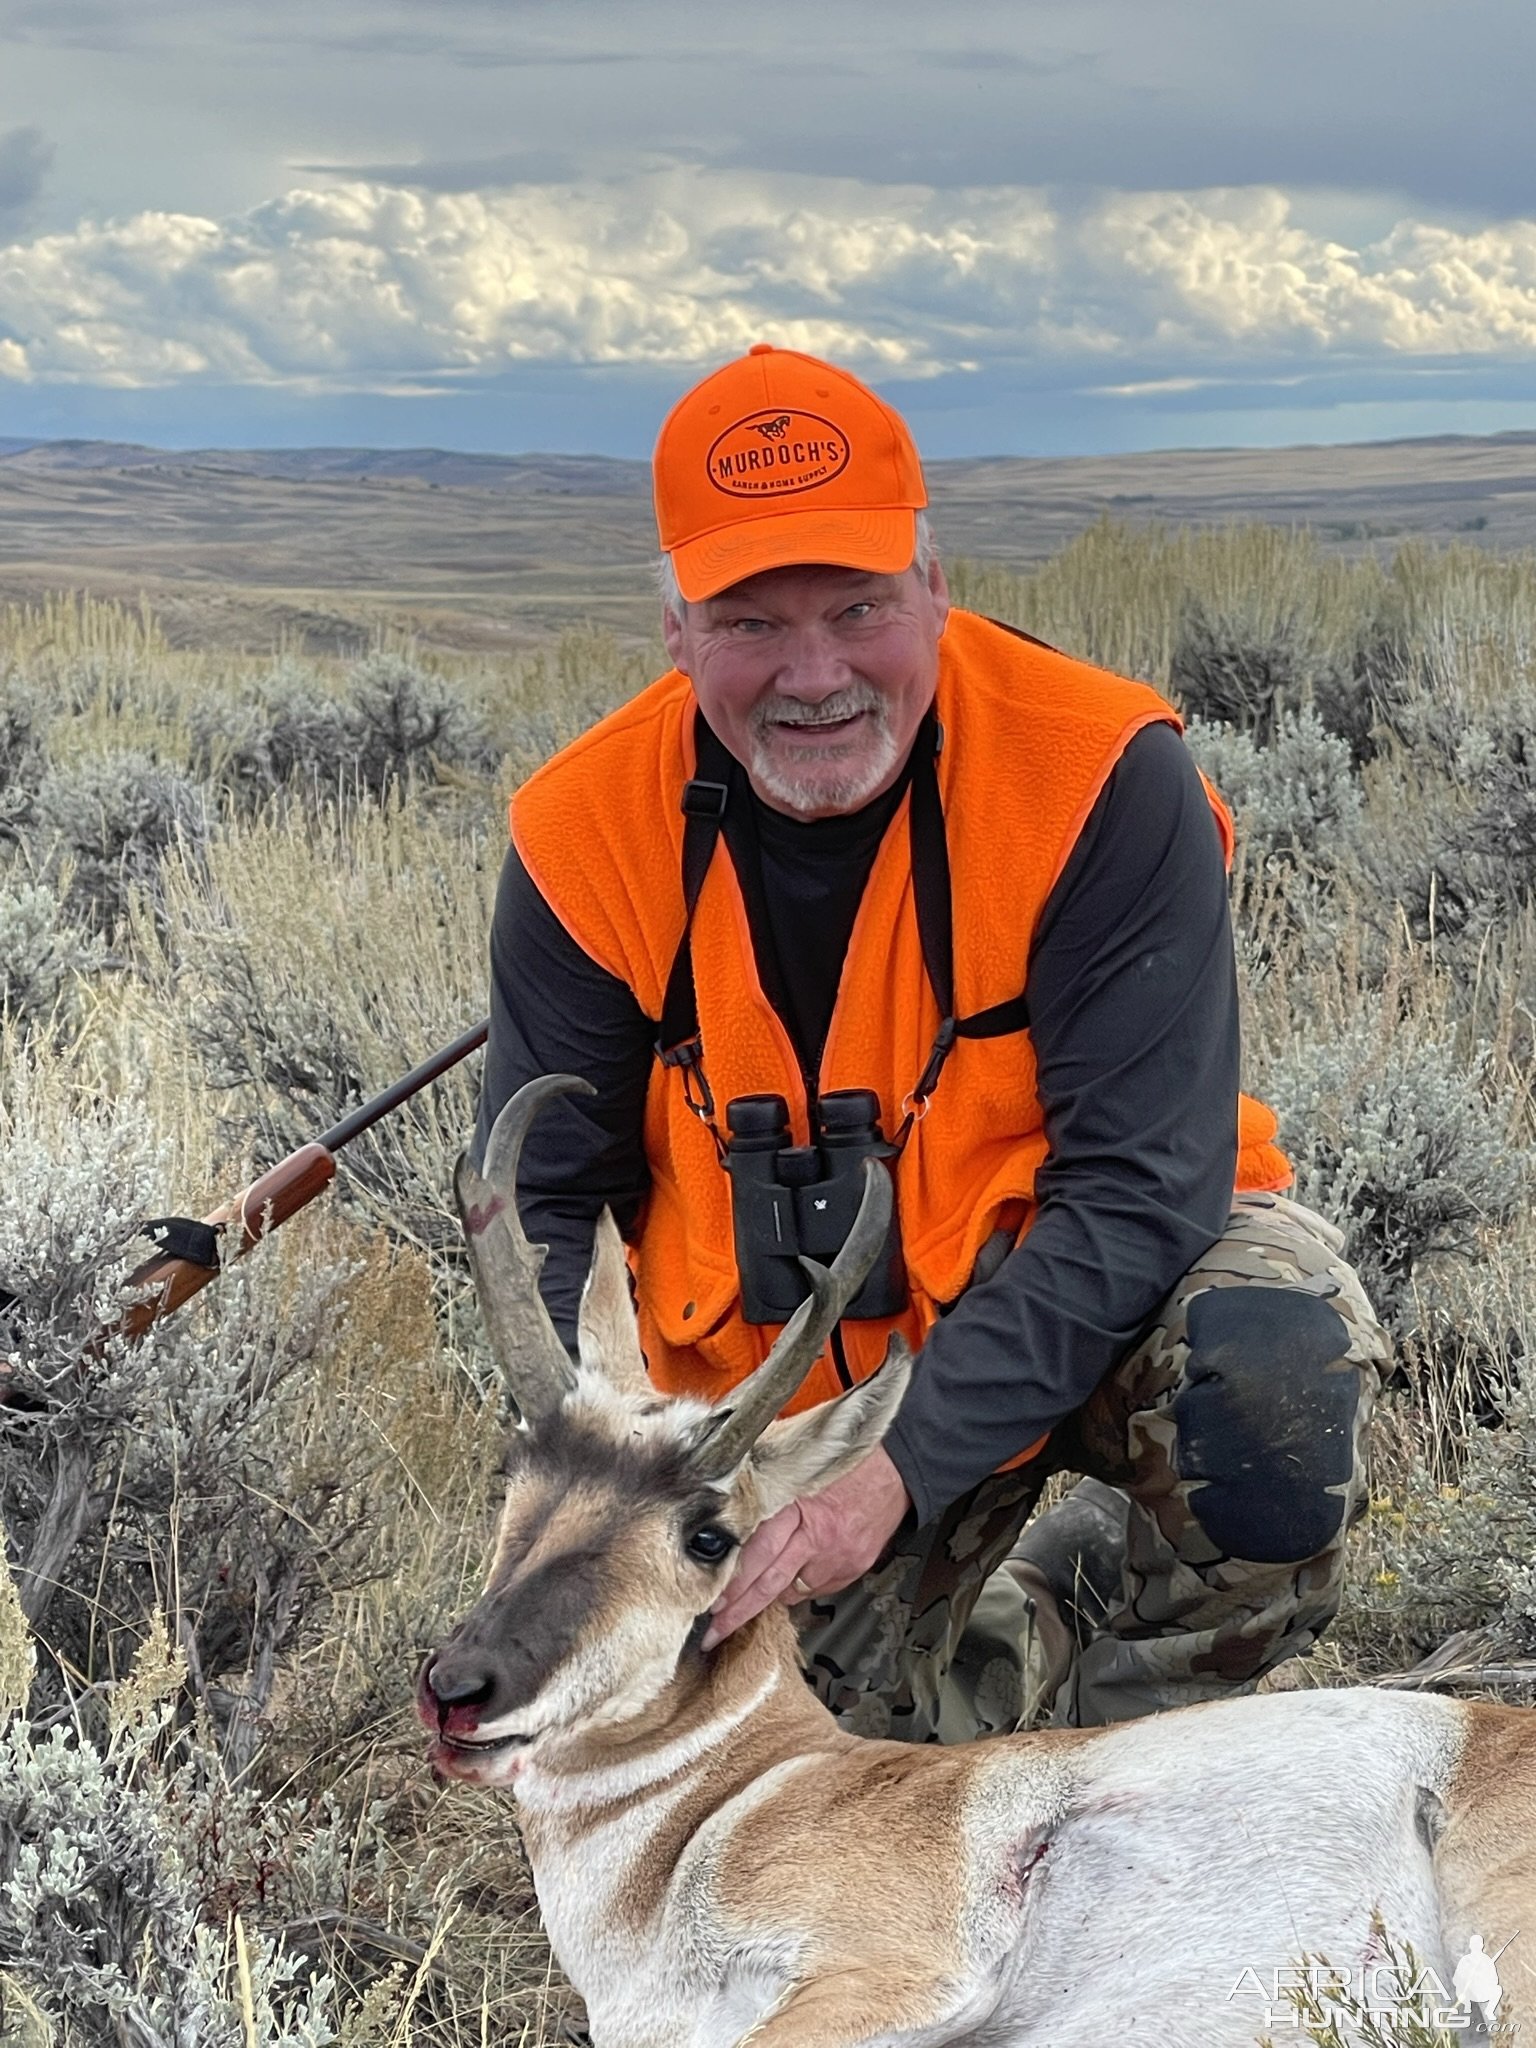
[{"x": 844, "y": 788}]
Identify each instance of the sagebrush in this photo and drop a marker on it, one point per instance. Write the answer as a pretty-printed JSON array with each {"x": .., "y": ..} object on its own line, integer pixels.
[{"x": 239, "y": 896}]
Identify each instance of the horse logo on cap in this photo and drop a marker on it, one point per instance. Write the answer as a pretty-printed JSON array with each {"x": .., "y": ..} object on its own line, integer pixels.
[{"x": 775, "y": 454}]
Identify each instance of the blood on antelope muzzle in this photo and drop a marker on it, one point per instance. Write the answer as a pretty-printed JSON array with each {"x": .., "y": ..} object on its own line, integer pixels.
[{"x": 454, "y": 1687}]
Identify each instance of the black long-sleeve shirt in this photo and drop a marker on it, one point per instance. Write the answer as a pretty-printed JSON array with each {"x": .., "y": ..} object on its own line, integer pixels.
[{"x": 1133, "y": 1018}]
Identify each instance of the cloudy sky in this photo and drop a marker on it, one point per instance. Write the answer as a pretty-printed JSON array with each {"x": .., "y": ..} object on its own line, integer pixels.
[{"x": 1039, "y": 227}]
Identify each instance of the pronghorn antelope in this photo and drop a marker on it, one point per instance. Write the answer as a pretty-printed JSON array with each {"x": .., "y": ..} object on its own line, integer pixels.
[{"x": 717, "y": 1862}]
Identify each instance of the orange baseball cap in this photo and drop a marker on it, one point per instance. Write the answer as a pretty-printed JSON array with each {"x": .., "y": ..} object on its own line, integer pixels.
[{"x": 779, "y": 459}]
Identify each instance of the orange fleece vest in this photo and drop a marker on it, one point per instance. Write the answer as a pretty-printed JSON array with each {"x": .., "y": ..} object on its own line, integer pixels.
[{"x": 1030, "y": 737}]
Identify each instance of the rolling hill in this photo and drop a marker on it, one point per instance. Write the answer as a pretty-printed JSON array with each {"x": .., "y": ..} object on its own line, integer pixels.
[{"x": 321, "y": 546}]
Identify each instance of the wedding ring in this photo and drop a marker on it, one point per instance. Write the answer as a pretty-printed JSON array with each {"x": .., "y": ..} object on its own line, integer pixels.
[{"x": 799, "y": 1586}]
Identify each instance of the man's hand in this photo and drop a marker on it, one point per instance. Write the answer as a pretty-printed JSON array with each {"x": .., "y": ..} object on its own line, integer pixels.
[{"x": 816, "y": 1545}]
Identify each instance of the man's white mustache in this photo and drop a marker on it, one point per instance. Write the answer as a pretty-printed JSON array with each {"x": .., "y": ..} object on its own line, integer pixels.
[{"x": 833, "y": 712}]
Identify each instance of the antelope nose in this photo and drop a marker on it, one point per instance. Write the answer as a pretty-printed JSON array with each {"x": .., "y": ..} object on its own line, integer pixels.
[{"x": 458, "y": 1681}]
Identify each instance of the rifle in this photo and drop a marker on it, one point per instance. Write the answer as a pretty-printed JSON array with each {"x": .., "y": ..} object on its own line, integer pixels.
[{"x": 190, "y": 1254}]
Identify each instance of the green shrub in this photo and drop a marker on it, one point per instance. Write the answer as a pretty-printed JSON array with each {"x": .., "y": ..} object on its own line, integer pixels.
[
  {"x": 1298, "y": 795},
  {"x": 391, "y": 722},
  {"x": 110, "y": 1853},
  {"x": 1459, "y": 1553},
  {"x": 23, "y": 723},
  {"x": 110, "y": 819},
  {"x": 1395, "y": 1134},
  {"x": 411, "y": 724},
  {"x": 42, "y": 955},
  {"x": 1228, "y": 672}
]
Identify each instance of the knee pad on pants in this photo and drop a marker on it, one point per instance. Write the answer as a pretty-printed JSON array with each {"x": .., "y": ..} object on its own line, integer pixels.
[{"x": 1266, "y": 1419}]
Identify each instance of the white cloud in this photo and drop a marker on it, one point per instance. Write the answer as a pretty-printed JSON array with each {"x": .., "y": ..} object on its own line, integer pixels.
[{"x": 377, "y": 286}]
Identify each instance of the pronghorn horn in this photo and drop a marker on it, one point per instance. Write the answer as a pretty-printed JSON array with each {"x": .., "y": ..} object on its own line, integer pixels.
[
  {"x": 534, "y": 1363},
  {"x": 728, "y": 1434}
]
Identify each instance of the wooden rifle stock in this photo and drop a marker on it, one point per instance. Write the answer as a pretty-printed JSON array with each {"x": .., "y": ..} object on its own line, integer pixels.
[{"x": 281, "y": 1192}]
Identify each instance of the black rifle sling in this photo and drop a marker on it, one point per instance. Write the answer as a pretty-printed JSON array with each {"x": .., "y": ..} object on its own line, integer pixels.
[
  {"x": 936, "y": 920},
  {"x": 704, "y": 803}
]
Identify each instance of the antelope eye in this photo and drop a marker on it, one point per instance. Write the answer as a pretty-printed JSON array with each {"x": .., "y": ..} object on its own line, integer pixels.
[{"x": 709, "y": 1544}]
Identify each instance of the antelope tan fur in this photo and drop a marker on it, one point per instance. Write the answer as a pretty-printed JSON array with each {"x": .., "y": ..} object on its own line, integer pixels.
[{"x": 717, "y": 1862}]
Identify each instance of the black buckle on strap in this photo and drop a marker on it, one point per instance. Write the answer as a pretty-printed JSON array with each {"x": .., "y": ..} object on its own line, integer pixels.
[
  {"x": 943, "y": 1046},
  {"x": 704, "y": 799},
  {"x": 687, "y": 1057}
]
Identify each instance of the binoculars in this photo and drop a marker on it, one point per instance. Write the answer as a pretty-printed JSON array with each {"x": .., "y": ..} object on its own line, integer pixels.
[{"x": 789, "y": 1201}]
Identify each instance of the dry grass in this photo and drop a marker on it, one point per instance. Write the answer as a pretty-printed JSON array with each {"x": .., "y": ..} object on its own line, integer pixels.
[{"x": 303, "y": 954}]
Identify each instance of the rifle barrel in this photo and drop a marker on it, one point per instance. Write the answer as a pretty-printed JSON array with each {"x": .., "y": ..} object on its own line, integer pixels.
[{"x": 370, "y": 1113}]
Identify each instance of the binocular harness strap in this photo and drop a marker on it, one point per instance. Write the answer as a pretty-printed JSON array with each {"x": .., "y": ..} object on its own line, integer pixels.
[
  {"x": 936, "y": 925},
  {"x": 704, "y": 801},
  {"x": 678, "y": 1043}
]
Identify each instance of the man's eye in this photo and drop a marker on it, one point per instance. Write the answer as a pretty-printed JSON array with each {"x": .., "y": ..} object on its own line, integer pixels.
[
  {"x": 861, "y": 610},
  {"x": 749, "y": 625},
  {"x": 710, "y": 1544}
]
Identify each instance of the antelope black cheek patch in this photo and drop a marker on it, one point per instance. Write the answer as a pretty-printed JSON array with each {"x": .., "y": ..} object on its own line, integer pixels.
[{"x": 1266, "y": 1418}]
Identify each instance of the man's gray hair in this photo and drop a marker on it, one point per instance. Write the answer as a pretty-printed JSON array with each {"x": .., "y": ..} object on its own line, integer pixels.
[{"x": 673, "y": 600}]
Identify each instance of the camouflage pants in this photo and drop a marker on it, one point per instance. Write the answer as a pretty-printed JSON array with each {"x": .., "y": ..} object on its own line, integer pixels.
[{"x": 1236, "y": 1431}]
